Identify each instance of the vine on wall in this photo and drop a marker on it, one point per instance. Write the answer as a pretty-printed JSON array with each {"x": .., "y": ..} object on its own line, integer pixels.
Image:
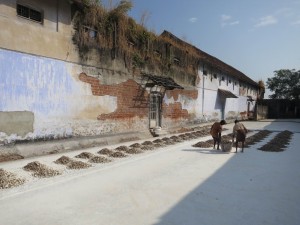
[{"x": 113, "y": 31}]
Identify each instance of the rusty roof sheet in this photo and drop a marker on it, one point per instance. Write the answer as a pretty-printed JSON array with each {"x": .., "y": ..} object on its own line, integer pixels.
[{"x": 166, "y": 82}]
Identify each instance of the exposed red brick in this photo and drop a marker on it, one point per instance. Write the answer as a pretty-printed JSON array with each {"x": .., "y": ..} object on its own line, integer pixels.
[
  {"x": 127, "y": 91},
  {"x": 175, "y": 111}
]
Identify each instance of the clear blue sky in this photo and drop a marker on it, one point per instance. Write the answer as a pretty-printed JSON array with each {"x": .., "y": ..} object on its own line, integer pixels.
[{"x": 256, "y": 37}]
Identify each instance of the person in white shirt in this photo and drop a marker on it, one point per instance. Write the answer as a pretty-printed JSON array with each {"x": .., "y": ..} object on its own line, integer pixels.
[{"x": 239, "y": 133}]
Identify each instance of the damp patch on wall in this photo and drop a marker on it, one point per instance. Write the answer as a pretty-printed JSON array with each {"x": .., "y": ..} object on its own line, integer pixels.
[{"x": 18, "y": 123}]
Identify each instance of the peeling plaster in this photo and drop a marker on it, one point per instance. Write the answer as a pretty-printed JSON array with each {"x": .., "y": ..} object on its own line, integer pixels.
[{"x": 51, "y": 89}]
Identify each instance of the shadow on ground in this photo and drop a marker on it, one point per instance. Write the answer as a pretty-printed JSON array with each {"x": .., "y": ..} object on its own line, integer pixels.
[{"x": 255, "y": 187}]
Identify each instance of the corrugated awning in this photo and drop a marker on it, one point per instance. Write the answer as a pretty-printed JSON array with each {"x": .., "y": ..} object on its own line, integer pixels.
[
  {"x": 226, "y": 94},
  {"x": 167, "y": 82}
]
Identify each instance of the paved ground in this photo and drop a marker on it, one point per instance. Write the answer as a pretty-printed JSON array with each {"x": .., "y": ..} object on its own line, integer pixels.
[{"x": 176, "y": 185}]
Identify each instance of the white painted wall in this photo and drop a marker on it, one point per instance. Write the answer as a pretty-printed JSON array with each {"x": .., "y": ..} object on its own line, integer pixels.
[{"x": 209, "y": 102}]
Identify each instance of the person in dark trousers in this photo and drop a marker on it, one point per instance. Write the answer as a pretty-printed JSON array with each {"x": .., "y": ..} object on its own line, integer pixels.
[
  {"x": 216, "y": 131},
  {"x": 239, "y": 132}
]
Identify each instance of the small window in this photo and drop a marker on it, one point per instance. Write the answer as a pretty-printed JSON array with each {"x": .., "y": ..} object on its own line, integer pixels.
[
  {"x": 176, "y": 61},
  {"x": 130, "y": 44},
  {"x": 157, "y": 53},
  {"x": 29, "y": 13},
  {"x": 215, "y": 76},
  {"x": 205, "y": 72},
  {"x": 223, "y": 78},
  {"x": 92, "y": 33},
  {"x": 229, "y": 81}
]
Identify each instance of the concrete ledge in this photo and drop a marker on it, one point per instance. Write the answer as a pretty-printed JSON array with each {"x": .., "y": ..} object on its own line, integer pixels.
[
  {"x": 31, "y": 149},
  {"x": 38, "y": 148}
]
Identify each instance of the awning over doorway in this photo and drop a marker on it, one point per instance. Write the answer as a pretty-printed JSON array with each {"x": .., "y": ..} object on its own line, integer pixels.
[
  {"x": 167, "y": 82},
  {"x": 226, "y": 94}
]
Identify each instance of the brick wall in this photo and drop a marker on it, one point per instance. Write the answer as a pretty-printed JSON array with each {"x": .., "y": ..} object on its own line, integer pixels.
[{"x": 127, "y": 91}]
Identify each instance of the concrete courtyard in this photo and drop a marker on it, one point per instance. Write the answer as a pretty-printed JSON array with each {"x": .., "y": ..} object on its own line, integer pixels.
[{"x": 173, "y": 185}]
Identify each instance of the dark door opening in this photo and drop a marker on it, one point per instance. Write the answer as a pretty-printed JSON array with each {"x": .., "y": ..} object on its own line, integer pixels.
[{"x": 155, "y": 110}]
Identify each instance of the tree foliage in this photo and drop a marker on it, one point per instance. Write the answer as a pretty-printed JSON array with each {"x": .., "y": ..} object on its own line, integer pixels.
[{"x": 285, "y": 84}]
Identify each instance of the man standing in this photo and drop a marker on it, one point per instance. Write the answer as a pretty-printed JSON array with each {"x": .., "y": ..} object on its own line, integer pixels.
[
  {"x": 239, "y": 131},
  {"x": 216, "y": 131}
]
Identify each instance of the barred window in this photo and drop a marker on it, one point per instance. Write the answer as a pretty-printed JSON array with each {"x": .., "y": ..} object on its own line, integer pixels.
[
  {"x": 92, "y": 33},
  {"x": 176, "y": 61},
  {"x": 29, "y": 13}
]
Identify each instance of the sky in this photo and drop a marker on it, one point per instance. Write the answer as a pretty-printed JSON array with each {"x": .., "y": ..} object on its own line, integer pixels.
[{"x": 256, "y": 37}]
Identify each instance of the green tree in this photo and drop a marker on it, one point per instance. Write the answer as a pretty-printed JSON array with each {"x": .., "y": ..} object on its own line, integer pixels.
[{"x": 285, "y": 84}]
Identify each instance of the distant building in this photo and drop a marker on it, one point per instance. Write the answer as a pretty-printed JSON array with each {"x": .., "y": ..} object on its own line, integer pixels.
[{"x": 50, "y": 89}]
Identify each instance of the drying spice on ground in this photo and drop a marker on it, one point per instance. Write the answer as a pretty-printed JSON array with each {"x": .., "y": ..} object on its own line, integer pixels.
[
  {"x": 147, "y": 143},
  {"x": 147, "y": 147},
  {"x": 40, "y": 170},
  {"x": 176, "y": 139},
  {"x": 99, "y": 159},
  {"x": 203, "y": 144},
  {"x": 165, "y": 139},
  {"x": 191, "y": 135},
  {"x": 278, "y": 143},
  {"x": 9, "y": 180},
  {"x": 118, "y": 154},
  {"x": 158, "y": 141},
  {"x": 105, "y": 151},
  {"x": 134, "y": 151},
  {"x": 160, "y": 144},
  {"x": 184, "y": 137},
  {"x": 72, "y": 164},
  {"x": 259, "y": 136},
  {"x": 202, "y": 133},
  {"x": 122, "y": 148},
  {"x": 169, "y": 142},
  {"x": 85, "y": 155},
  {"x": 210, "y": 141},
  {"x": 77, "y": 165},
  {"x": 64, "y": 160},
  {"x": 4, "y": 157},
  {"x": 136, "y": 145}
]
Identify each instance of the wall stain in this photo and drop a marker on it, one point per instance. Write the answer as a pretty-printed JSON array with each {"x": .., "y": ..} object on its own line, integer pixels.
[{"x": 193, "y": 94}]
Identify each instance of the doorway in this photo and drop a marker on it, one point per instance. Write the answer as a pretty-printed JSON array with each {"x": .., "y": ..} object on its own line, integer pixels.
[{"x": 155, "y": 110}]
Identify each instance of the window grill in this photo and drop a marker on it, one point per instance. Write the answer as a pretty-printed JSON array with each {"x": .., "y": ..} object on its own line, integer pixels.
[{"x": 29, "y": 13}]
